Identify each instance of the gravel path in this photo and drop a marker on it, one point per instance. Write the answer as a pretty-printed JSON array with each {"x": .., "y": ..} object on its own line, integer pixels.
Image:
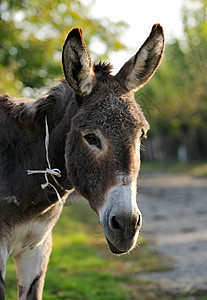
[{"x": 174, "y": 209}]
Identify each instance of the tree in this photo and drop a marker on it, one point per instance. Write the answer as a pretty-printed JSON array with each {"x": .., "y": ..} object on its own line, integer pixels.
[
  {"x": 32, "y": 34},
  {"x": 178, "y": 92}
]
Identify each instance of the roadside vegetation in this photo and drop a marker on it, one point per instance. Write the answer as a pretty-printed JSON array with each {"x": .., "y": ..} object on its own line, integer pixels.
[{"x": 197, "y": 169}]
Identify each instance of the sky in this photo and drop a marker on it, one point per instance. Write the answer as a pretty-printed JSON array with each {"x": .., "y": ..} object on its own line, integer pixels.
[{"x": 140, "y": 15}]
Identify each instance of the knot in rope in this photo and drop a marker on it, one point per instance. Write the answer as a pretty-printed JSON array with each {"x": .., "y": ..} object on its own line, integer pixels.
[{"x": 49, "y": 170}]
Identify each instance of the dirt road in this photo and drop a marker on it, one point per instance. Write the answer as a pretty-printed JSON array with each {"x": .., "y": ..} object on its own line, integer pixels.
[{"x": 174, "y": 209}]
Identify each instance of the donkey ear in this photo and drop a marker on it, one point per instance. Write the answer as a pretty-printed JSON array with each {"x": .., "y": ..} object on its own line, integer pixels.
[
  {"x": 140, "y": 68},
  {"x": 77, "y": 64}
]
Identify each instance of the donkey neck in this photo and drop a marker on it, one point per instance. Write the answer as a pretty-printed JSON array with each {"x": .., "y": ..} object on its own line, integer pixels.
[{"x": 26, "y": 140}]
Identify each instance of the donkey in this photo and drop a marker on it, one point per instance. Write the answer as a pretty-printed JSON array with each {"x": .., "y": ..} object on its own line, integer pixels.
[{"x": 90, "y": 128}]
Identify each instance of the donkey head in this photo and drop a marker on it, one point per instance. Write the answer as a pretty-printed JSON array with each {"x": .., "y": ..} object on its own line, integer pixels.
[{"x": 103, "y": 145}]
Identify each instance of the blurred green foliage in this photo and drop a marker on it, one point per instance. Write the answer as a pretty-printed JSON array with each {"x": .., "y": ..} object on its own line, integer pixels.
[
  {"x": 175, "y": 100},
  {"x": 32, "y": 34}
]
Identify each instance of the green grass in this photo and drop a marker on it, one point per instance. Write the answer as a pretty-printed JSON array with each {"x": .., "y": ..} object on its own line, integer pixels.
[
  {"x": 82, "y": 267},
  {"x": 197, "y": 169}
]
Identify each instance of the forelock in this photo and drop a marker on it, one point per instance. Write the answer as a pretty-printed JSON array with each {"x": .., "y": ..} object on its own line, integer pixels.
[
  {"x": 102, "y": 69},
  {"x": 108, "y": 110}
]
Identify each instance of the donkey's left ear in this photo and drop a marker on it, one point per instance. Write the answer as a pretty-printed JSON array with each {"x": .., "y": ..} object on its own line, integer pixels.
[
  {"x": 77, "y": 64},
  {"x": 140, "y": 68}
]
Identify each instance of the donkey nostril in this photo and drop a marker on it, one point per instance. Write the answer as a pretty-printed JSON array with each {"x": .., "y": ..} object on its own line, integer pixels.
[
  {"x": 124, "y": 223},
  {"x": 136, "y": 222},
  {"x": 115, "y": 224},
  {"x": 139, "y": 221}
]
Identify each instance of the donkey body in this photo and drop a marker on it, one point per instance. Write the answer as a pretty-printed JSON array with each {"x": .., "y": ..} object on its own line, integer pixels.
[{"x": 95, "y": 127}]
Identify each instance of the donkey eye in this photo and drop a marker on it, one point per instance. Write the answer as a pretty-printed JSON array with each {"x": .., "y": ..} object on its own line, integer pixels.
[
  {"x": 92, "y": 139},
  {"x": 142, "y": 134}
]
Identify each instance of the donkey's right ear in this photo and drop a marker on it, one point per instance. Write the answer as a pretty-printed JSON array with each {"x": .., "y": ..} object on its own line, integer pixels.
[
  {"x": 140, "y": 68},
  {"x": 77, "y": 64}
]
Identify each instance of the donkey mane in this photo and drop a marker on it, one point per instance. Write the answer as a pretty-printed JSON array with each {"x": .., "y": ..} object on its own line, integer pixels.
[
  {"x": 23, "y": 111},
  {"x": 31, "y": 111}
]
